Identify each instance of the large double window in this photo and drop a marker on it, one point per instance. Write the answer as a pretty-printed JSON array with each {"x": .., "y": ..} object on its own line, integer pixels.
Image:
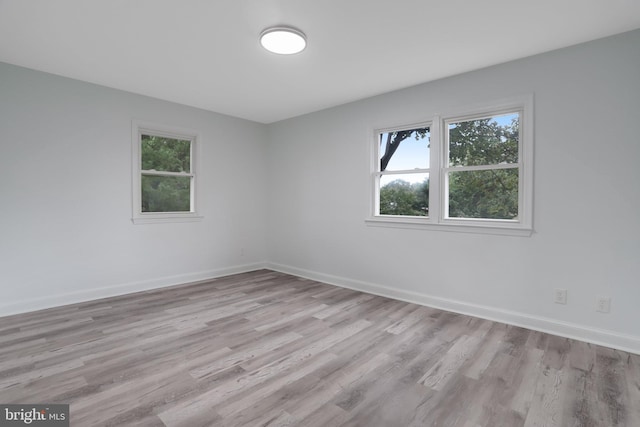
[{"x": 464, "y": 172}]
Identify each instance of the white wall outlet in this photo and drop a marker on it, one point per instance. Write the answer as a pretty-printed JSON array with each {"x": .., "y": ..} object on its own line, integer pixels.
[
  {"x": 603, "y": 304},
  {"x": 560, "y": 296}
]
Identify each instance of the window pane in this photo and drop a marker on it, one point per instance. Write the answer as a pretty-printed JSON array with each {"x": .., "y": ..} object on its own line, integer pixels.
[
  {"x": 488, "y": 141},
  {"x": 489, "y": 194},
  {"x": 166, "y": 193},
  {"x": 404, "y": 149},
  {"x": 165, "y": 154},
  {"x": 406, "y": 194}
]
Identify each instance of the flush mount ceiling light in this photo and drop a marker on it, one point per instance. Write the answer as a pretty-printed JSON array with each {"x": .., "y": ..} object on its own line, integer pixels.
[{"x": 283, "y": 40}]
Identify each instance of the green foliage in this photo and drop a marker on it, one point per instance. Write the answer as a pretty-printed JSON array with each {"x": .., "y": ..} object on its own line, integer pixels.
[
  {"x": 400, "y": 197},
  {"x": 165, "y": 193},
  {"x": 483, "y": 142},
  {"x": 165, "y": 154},
  {"x": 491, "y": 194}
]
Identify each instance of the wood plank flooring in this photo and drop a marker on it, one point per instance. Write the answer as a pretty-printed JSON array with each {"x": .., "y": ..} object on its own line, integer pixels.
[{"x": 269, "y": 349}]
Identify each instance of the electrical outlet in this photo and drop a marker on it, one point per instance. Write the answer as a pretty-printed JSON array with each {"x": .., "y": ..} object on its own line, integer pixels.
[
  {"x": 603, "y": 304},
  {"x": 560, "y": 296}
]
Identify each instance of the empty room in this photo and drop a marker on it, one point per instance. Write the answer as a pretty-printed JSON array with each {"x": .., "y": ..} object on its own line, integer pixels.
[{"x": 319, "y": 213}]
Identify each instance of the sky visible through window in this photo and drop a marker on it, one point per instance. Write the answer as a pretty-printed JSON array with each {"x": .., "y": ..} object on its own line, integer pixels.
[
  {"x": 414, "y": 154},
  {"x": 411, "y": 154}
]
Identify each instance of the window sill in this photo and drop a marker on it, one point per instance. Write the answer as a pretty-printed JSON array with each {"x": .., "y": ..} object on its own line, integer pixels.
[
  {"x": 160, "y": 219},
  {"x": 498, "y": 228}
]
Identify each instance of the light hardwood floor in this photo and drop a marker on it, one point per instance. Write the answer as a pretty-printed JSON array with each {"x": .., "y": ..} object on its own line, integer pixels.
[{"x": 269, "y": 349}]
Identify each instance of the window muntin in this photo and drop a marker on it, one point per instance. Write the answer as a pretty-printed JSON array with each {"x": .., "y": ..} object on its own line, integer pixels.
[
  {"x": 484, "y": 155},
  {"x": 164, "y": 173}
]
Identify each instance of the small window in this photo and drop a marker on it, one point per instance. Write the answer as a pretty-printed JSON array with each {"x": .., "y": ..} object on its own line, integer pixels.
[
  {"x": 468, "y": 172},
  {"x": 164, "y": 174}
]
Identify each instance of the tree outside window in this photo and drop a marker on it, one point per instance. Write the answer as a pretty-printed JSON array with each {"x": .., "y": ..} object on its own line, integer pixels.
[{"x": 470, "y": 171}]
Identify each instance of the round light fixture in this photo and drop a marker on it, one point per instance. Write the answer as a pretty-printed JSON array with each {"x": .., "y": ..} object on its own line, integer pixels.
[{"x": 283, "y": 40}]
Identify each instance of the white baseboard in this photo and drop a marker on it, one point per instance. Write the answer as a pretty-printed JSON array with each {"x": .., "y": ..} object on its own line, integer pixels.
[
  {"x": 569, "y": 330},
  {"x": 50, "y": 301},
  {"x": 602, "y": 337}
]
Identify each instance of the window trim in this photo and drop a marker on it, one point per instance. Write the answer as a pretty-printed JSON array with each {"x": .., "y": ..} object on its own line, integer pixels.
[
  {"x": 437, "y": 219},
  {"x": 138, "y": 128}
]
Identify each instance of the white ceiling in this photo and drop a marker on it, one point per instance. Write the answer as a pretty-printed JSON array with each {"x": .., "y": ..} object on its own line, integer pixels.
[{"x": 205, "y": 53}]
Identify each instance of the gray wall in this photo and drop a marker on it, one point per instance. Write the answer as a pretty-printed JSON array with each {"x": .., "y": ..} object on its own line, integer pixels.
[
  {"x": 293, "y": 196},
  {"x": 586, "y": 190},
  {"x": 65, "y": 194}
]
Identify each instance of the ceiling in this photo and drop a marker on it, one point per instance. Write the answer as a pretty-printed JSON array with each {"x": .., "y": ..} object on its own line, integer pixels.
[{"x": 206, "y": 53}]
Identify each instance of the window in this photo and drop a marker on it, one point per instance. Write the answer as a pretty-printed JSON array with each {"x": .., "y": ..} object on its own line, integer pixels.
[
  {"x": 466, "y": 172},
  {"x": 404, "y": 171},
  {"x": 481, "y": 173},
  {"x": 164, "y": 170}
]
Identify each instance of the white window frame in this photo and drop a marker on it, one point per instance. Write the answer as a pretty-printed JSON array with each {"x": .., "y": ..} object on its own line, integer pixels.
[
  {"x": 438, "y": 216},
  {"x": 139, "y": 128},
  {"x": 378, "y": 174}
]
